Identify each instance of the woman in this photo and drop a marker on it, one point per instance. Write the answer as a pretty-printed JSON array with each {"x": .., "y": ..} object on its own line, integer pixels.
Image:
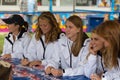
[
  {"x": 16, "y": 43},
  {"x": 41, "y": 49},
  {"x": 71, "y": 51},
  {"x": 105, "y": 46},
  {"x": 104, "y": 3}
]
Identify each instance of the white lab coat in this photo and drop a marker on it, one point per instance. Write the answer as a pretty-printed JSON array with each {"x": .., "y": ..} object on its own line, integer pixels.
[
  {"x": 113, "y": 74},
  {"x": 80, "y": 65},
  {"x": 19, "y": 46},
  {"x": 35, "y": 50}
]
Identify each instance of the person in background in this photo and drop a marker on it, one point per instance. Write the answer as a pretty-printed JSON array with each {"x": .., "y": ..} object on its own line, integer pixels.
[
  {"x": 17, "y": 40},
  {"x": 28, "y": 7},
  {"x": 116, "y": 17},
  {"x": 41, "y": 49},
  {"x": 106, "y": 17},
  {"x": 71, "y": 51},
  {"x": 105, "y": 46},
  {"x": 104, "y": 3}
]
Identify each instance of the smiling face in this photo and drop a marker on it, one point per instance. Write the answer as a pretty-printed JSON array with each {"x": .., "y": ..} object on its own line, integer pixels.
[
  {"x": 98, "y": 43},
  {"x": 71, "y": 30},
  {"x": 44, "y": 26}
]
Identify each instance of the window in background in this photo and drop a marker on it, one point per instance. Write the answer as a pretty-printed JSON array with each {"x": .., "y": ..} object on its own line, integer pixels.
[
  {"x": 86, "y": 2},
  {"x": 66, "y": 2},
  {"x": 46, "y": 2},
  {"x": 103, "y": 3},
  {"x": 9, "y": 2},
  {"x": 39, "y": 2}
]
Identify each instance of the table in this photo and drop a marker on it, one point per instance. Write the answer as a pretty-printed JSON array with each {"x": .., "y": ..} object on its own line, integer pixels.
[{"x": 37, "y": 73}]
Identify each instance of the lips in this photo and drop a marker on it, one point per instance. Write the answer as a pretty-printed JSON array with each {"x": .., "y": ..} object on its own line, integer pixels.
[{"x": 94, "y": 46}]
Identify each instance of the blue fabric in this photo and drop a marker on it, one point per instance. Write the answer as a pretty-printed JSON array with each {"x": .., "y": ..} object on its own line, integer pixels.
[
  {"x": 41, "y": 74},
  {"x": 20, "y": 78},
  {"x": 79, "y": 77}
]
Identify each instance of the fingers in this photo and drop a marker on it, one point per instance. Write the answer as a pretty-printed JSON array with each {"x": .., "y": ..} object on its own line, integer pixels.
[
  {"x": 95, "y": 77},
  {"x": 6, "y": 56},
  {"x": 92, "y": 49},
  {"x": 35, "y": 63},
  {"x": 56, "y": 72},
  {"x": 24, "y": 62},
  {"x": 53, "y": 71},
  {"x": 48, "y": 70}
]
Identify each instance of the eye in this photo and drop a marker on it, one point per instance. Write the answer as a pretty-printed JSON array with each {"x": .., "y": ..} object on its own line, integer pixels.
[
  {"x": 91, "y": 38},
  {"x": 96, "y": 39}
]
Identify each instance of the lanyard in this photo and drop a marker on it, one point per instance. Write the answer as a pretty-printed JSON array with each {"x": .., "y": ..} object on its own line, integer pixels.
[
  {"x": 70, "y": 54},
  {"x": 43, "y": 47},
  {"x": 102, "y": 66},
  {"x": 101, "y": 61},
  {"x": 8, "y": 38}
]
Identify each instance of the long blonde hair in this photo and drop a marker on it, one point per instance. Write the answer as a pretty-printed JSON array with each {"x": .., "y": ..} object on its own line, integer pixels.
[
  {"x": 77, "y": 44},
  {"x": 55, "y": 30},
  {"x": 110, "y": 31}
]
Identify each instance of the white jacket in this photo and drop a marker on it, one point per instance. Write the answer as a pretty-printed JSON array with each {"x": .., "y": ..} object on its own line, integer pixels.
[
  {"x": 80, "y": 66},
  {"x": 35, "y": 50},
  {"x": 19, "y": 47},
  {"x": 113, "y": 74}
]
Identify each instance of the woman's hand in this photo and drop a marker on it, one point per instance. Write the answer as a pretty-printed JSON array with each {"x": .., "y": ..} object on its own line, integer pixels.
[
  {"x": 92, "y": 49},
  {"x": 56, "y": 72},
  {"x": 6, "y": 56},
  {"x": 95, "y": 77},
  {"x": 48, "y": 70},
  {"x": 25, "y": 62},
  {"x": 35, "y": 63}
]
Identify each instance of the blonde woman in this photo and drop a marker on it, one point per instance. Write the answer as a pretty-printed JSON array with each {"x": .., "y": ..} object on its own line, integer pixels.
[
  {"x": 71, "y": 51},
  {"x": 41, "y": 49},
  {"x": 105, "y": 46}
]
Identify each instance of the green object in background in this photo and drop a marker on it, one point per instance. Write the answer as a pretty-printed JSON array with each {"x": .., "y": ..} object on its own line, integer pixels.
[
  {"x": 1, "y": 42},
  {"x": 89, "y": 34}
]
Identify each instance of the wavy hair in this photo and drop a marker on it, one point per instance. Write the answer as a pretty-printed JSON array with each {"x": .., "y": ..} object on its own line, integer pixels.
[{"x": 55, "y": 30}]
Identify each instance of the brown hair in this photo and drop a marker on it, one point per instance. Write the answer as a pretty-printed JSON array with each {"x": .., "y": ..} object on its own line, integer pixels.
[
  {"x": 110, "y": 31},
  {"x": 77, "y": 44},
  {"x": 55, "y": 30}
]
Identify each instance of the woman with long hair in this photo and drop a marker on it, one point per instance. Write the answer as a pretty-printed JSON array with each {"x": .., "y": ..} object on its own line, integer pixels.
[
  {"x": 47, "y": 33},
  {"x": 105, "y": 46},
  {"x": 71, "y": 51}
]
